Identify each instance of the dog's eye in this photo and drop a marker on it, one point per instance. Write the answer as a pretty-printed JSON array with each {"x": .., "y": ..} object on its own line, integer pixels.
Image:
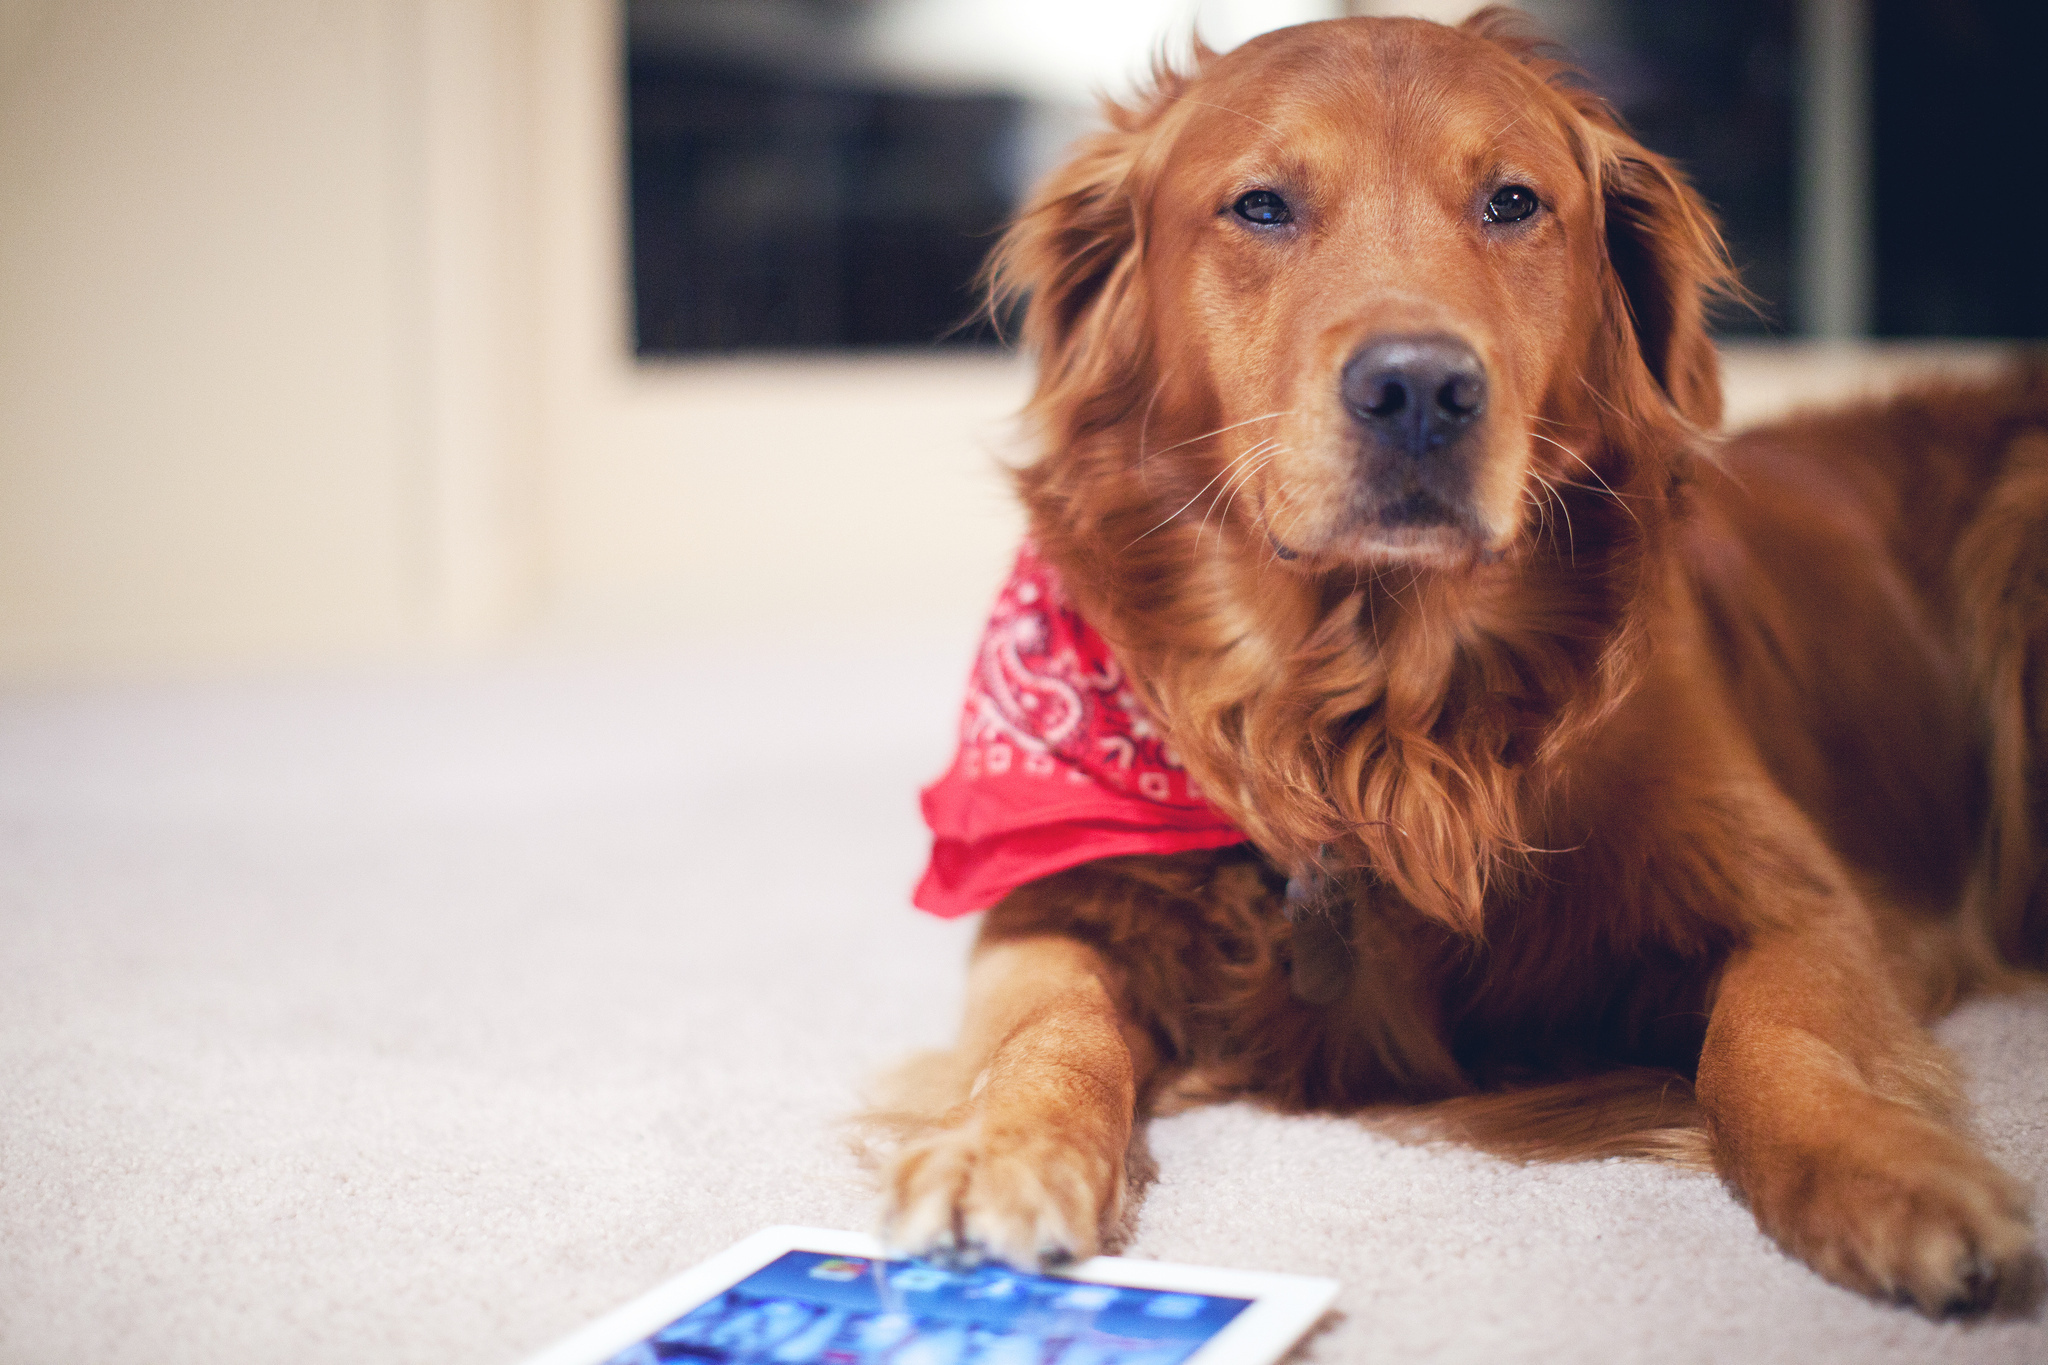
[
  {"x": 1263, "y": 207},
  {"x": 1511, "y": 204}
]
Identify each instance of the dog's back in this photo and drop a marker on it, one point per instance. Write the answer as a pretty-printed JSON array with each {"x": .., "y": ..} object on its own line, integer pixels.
[{"x": 1877, "y": 580}]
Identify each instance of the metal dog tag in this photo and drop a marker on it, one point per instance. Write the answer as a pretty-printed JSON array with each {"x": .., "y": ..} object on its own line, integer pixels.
[{"x": 1320, "y": 912}]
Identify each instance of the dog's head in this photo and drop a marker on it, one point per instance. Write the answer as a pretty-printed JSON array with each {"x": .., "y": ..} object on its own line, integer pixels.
[
  {"x": 1370, "y": 355},
  {"x": 1359, "y": 288}
]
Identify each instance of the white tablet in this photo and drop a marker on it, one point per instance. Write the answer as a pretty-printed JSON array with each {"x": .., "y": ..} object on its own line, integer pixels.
[{"x": 791, "y": 1295}]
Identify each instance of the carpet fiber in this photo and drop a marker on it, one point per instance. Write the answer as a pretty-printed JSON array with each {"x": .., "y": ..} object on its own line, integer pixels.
[{"x": 423, "y": 1017}]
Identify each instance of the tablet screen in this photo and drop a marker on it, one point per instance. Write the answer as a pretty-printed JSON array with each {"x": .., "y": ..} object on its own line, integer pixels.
[{"x": 850, "y": 1310}]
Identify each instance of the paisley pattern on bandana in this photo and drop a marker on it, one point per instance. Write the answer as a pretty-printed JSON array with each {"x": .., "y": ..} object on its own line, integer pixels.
[{"x": 1058, "y": 762}]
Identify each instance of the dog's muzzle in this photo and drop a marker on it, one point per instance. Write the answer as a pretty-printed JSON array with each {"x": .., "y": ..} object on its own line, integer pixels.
[{"x": 1414, "y": 400}]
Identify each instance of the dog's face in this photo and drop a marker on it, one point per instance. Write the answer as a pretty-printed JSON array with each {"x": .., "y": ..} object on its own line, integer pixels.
[
  {"x": 1387, "y": 274},
  {"x": 1387, "y": 263}
]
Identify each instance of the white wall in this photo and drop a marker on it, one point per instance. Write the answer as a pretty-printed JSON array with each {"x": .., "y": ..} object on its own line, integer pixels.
[
  {"x": 313, "y": 345},
  {"x": 203, "y": 421}
]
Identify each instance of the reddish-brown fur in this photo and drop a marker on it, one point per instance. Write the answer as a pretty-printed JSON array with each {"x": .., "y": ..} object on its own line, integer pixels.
[{"x": 1673, "y": 790}]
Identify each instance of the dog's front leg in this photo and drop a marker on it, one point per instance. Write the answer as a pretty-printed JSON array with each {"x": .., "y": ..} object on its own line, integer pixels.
[
  {"x": 1833, "y": 1115},
  {"x": 1028, "y": 1163}
]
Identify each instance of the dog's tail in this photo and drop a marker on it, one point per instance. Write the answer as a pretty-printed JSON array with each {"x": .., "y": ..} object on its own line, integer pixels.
[{"x": 1634, "y": 1112}]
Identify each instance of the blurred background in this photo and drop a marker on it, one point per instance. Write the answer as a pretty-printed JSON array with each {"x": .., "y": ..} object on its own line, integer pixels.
[{"x": 335, "y": 330}]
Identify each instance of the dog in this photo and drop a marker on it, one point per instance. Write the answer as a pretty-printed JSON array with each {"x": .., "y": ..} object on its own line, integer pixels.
[{"x": 1530, "y": 765}]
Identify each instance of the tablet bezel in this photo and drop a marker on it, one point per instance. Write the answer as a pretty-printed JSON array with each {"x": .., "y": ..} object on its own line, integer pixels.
[{"x": 1282, "y": 1310}]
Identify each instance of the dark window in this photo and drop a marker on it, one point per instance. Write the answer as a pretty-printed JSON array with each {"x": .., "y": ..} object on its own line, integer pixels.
[
  {"x": 783, "y": 199},
  {"x": 776, "y": 208},
  {"x": 1709, "y": 83},
  {"x": 1960, "y": 189}
]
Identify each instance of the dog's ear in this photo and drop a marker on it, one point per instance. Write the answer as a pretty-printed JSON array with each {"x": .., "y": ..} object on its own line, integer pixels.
[
  {"x": 1665, "y": 257},
  {"x": 1665, "y": 262},
  {"x": 1072, "y": 255}
]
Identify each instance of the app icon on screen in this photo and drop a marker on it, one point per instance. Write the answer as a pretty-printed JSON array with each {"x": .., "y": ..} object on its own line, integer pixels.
[
  {"x": 839, "y": 1268},
  {"x": 1173, "y": 1306},
  {"x": 1002, "y": 1287},
  {"x": 919, "y": 1277}
]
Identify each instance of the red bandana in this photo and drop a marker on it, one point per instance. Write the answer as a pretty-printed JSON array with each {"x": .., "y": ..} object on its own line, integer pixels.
[{"x": 1058, "y": 762}]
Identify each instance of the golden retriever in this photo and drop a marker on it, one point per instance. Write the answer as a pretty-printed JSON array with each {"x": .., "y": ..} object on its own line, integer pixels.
[{"x": 1604, "y": 787}]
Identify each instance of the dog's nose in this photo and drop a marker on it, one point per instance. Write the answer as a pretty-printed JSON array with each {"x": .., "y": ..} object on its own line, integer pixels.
[{"x": 1415, "y": 393}]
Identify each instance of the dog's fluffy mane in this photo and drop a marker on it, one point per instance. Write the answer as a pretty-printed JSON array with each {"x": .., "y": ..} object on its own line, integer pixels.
[{"x": 1403, "y": 721}]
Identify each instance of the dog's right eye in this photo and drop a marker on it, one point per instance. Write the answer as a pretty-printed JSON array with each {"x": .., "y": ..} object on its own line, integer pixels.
[{"x": 1263, "y": 207}]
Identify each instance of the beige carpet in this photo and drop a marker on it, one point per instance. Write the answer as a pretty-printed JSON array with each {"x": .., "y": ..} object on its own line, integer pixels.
[{"x": 419, "y": 1018}]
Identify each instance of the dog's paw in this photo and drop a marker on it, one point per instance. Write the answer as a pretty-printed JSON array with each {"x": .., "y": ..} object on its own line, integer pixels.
[
  {"x": 1918, "y": 1218},
  {"x": 975, "y": 1192}
]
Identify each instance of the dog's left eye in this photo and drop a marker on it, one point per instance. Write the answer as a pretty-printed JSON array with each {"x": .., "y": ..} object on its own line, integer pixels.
[
  {"x": 1511, "y": 204},
  {"x": 1263, "y": 207}
]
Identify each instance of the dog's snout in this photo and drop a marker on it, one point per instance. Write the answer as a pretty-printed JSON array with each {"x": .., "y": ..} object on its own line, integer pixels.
[{"x": 1415, "y": 393}]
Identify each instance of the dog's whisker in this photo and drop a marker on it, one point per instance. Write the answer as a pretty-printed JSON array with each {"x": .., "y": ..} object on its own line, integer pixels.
[
  {"x": 1245, "y": 465},
  {"x": 1571, "y": 537},
  {"x": 1542, "y": 508},
  {"x": 1144, "y": 422},
  {"x": 1605, "y": 487},
  {"x": 1262, "y": 417},
  {"x": 1603, "y": 490},
  {"x": 1604, "y": 401},
  {"x": 1250, "y": 473},
  {"x": 1198, "y": 493}
]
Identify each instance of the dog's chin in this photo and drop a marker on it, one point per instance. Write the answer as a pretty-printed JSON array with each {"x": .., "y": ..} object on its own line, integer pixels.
[
  {"x": 1446, "y": 546},
  {"x": 1434, "y": 547},
  {"x": 1398, "y": 536}
]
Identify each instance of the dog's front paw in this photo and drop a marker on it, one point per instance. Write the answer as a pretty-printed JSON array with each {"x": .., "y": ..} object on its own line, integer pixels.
[
  {"x": 1915, "y": 1215},
  {"x": 976, "y": 1191}
]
